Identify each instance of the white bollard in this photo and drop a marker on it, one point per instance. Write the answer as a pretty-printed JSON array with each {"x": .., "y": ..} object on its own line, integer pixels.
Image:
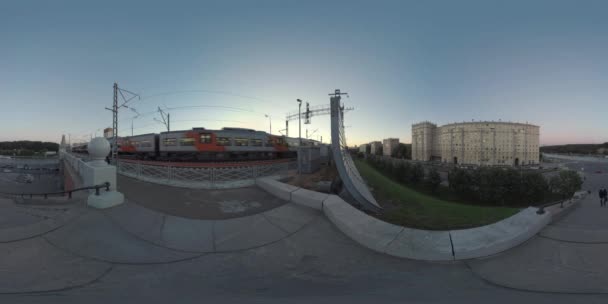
[{"x": 100, "y": 172}]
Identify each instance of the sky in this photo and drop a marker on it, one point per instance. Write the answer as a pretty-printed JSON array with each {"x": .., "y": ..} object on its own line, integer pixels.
[{"x": 217, "y": 64}]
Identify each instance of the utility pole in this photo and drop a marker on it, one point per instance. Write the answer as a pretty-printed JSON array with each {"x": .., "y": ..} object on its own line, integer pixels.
[
  {"x": 300, "y": 120},
  {"x": 287, "y": 128},
  {"x": 132, "y": 119},
  {"x": 115, "y": 122},
  {"x": 270, "y": 121},
  {"x": 114, "y": 111},
  {"x": 166, "y": 121}
]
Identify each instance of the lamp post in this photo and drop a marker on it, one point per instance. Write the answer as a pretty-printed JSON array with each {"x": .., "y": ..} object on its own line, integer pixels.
[
  {"x": 270, "y": 122},
  {"x": 300, "y": 121}
]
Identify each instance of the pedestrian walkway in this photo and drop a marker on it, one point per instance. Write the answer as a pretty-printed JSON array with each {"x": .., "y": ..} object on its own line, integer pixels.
[{"x": 568, "y": 256}]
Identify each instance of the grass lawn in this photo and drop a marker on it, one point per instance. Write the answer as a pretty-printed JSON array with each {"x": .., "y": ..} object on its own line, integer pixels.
[{"x": 410, "y": 208}]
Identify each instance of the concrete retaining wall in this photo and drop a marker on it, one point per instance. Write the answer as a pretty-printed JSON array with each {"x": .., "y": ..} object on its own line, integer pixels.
[
  {"x": 498, "y": 237},
  {"x": 416, "y": 244}
]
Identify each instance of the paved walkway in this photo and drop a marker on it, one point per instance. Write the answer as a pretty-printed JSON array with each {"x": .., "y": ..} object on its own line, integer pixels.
[
  {"x": 568, "y": 256},
  {"x": 198, "y": 204},
  {"x": 285, "y": 254}
]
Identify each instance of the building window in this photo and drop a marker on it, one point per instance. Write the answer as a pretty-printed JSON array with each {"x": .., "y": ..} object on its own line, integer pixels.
[
  {"x": 241, "y": 141},
  {"x": 205, "y": 138},
  {"x": 223, "y": 141},
  {"x": 169, "y": 142}
]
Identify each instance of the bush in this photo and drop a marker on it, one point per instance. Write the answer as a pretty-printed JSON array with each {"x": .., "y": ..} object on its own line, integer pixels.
[
  {"x": 566, "y": 183},
  {"x": 460, "y": 181},
  {"x": 486, "y": 185}
]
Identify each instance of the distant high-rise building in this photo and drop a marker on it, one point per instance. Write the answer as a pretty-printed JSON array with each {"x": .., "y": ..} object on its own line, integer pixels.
[
  {"x": 364, "y": 148},
  {"x": 374, "y": 147},
  {"x": 389, "y": 146}
]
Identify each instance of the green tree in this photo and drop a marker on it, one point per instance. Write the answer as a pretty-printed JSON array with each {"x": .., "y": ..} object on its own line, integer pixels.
[
  {"x": 433, "y": 179},
  {"x": 404, "y": 151},
  {"x": 417, "y": 173},
  {"x": 406, "y": 173}
]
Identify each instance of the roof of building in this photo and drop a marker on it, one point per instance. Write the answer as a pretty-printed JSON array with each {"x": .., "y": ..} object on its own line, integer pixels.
[{"x": 479, "y": 122}]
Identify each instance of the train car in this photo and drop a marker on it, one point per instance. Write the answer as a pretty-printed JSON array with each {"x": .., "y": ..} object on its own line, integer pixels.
[
  {"x": 80, "y": 148},
  {"x": 144, "y": 146},
  {"x": 218, "y": 145}
]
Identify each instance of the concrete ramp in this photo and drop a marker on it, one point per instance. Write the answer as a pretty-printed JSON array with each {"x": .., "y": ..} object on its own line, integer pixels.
[{"x": 207, "y": 236}]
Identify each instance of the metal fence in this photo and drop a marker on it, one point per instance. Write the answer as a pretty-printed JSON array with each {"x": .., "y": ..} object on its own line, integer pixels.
[
  {"x": 230, "y": 176},
  {"x": 29, "y": 162},
  {"x": 349, "y": 174},
  {"x": 82, "y": 169}
]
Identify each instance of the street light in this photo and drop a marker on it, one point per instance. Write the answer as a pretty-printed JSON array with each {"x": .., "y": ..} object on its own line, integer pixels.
[
  {"x": 300, "y": 120},
  {"x": 269, "y": 121}
]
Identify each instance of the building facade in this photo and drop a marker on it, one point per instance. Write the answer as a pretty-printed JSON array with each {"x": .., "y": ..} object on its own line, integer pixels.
[
  {"x": 477, "y": 143},
  {"x": 364, "y": 148},
  {"x": 375, "y": 147},
  {"x": 389, "y": 146}
]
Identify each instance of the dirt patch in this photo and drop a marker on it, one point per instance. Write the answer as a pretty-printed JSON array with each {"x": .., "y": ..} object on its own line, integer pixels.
[{"x": 311, "y": 181}]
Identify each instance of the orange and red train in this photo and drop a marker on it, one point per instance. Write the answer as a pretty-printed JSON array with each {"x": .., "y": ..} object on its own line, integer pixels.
[{"x": 200, "y": 144}]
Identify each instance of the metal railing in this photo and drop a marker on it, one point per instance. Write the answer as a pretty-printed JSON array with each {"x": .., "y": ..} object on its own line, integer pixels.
[
  {"x": 541, "y": 208},
  {"x": 61, "y": 193},
  {"x": 577, "y": 195},
  {"x": 229, "y": 176}
]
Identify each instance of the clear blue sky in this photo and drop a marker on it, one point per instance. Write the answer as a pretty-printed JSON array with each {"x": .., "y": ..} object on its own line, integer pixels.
[{"x": 545, "y": 62}]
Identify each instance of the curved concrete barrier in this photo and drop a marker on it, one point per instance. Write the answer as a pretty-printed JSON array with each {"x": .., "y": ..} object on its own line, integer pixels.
[
  {"x": 387, "y": 238},
  {"x": 276, "y": 188},
  {"x": 417, "y": 244}
]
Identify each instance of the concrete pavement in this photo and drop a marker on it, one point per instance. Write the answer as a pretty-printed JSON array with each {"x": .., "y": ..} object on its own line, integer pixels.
[
  {"x": 568, "y": 256},
  {"x": 284, "y": 254}
]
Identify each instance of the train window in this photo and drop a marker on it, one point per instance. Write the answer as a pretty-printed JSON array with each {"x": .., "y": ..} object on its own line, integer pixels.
[
  {"x": 205, "y": 138},
  {"x": 256, "y": 142},
  {"x": 186, "y": 141},
  {"x": 169, "y": 142},
  {"x": 134, "y": 143},
  {"x": 241, "y": 141},
  {"x": 145, "y": 144},
  {"x": 223, "y": 141}
]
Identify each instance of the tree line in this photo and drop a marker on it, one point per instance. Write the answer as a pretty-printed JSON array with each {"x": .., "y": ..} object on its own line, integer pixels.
[
  {"x": 26, "y": 147},
  {"x": 492, "y": 186},
  {"x": 577, "y": 148}
]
